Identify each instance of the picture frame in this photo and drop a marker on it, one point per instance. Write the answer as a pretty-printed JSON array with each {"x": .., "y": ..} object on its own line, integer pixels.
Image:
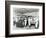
[{"x": 19, "y": 7}]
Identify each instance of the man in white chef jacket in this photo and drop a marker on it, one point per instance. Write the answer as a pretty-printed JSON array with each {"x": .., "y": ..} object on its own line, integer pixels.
[
  {"x": 36, "y": 25},
  {"x": 25, "y": 21}
]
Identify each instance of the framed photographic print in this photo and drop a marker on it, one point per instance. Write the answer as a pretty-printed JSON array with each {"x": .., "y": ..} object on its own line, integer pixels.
[{"x": 24, "y": 18}]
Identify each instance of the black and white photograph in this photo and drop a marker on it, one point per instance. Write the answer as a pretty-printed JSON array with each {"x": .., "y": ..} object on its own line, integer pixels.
[{"x": 25, "y": 18}]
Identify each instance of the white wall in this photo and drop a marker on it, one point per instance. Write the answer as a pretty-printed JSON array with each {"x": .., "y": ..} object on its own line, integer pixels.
[{"x": 2, "y": 18}]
